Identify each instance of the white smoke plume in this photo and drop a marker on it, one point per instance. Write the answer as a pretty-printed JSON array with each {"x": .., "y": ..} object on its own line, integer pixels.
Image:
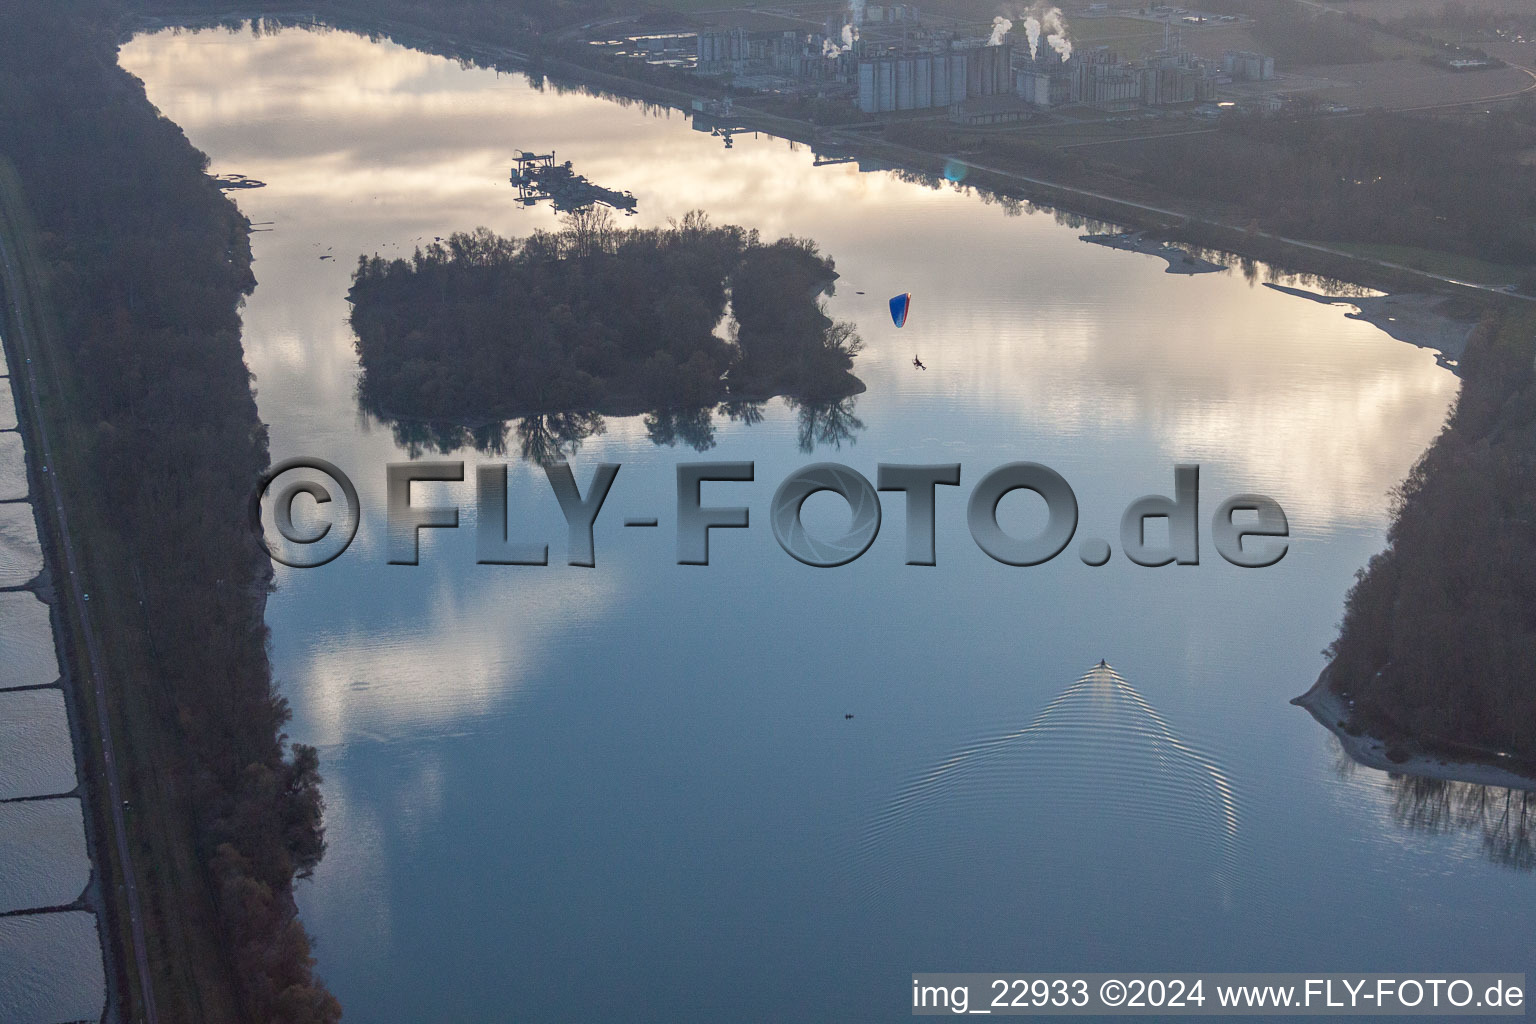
[
  {"x": 1001, "y": 26},
  {"x": 850, "y": 36},
  {"x": 829, "y": 49},
  {"x": 1046, "y": 20}
]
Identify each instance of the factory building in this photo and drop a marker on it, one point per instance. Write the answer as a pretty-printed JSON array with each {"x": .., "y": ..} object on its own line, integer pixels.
[
  {"x": 989, "y": 70},
  {"x": 1045, "y": 80},
  {"x": 889, "y": 13},
  {"x": 804, "y": 59},
  {"x": 888, "y": 67},
  {"x": 723, "y": 51},
  {"x": 790, "y": 55},
  {"x": 1111, "y": 87},
  {"x": 987, "y": 111},
  {"x": 923, "y": 80},
  {"x": 1169, "y": 78},
  {"x": 1160, "y": 86},
  {"x": 912, "y": 82},
  {"x": 1044, "y": 90},
  {"x": 1246, "y": 66},
  {"x": 1100, "y": 79},
  {"x": 1104, "y": 82}
]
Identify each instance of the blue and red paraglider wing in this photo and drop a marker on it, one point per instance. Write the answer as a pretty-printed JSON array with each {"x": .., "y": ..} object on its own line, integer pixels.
[{"x": 899, "y": 306}]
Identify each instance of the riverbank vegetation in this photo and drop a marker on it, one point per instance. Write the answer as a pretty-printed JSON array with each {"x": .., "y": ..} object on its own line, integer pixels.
[
  {"x": 138, "y": 265},
  {"x": 1438, "y": 644},
  {"x": 596, "y": 318},
  {"x": 1376, "y": 179},
  {"x": 1380, "y": 178}
]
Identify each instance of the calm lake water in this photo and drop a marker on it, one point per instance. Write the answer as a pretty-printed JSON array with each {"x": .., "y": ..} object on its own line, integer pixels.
[{"x": 631, "y": 792}]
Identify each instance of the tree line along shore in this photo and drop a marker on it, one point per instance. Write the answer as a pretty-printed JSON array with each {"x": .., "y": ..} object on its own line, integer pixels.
[
  {"x": 1437, "y": 649},
  {"x": 141, "y": 264}
]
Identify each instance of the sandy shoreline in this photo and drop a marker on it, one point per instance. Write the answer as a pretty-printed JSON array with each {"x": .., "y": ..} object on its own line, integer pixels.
[
  {"x": 1334, "y": 713},
  {"x": 1179, "y": 260},
  {"x": 1419, "y": 318}
]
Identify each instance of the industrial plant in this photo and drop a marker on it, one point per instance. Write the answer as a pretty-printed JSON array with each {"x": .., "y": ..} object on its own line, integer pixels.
[{"x": 884, "y": 59}]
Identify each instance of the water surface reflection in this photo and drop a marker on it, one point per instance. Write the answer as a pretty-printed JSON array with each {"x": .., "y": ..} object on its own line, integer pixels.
[
  {"x": 645, "y": 768},
  {"x": 1097, "y": 760},
  {"x": 1504, "y": 820}
]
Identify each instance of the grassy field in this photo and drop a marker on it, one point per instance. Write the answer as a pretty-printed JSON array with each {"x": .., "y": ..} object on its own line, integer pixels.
[
  {"x": 1131, "y": 36},
  {"x": 1387, "y": 10},
  {"x": 1138, "y": 37},
  {"x": 1464, "y": 268},
  {"x": 1103, "y": 134}
]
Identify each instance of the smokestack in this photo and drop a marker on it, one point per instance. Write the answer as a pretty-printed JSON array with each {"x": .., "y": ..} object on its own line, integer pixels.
[
  {"x": 1047, "y": 21},
  {"x": 1055, "y": 28},
  {"x": 1032, "y": 30}
]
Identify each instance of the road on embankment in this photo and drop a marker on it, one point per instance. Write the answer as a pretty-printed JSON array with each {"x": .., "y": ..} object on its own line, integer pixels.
[
  {"x": 70, "y": 583},
  {"x": 1062, "y": 195}
]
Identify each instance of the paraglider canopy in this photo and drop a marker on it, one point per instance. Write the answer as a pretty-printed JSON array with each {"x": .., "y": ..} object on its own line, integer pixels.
[{"x": 899, "y": 306}]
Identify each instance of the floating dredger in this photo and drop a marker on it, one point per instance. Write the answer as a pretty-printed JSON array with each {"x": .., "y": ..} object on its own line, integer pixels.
[{"x": 536, "y": 176}]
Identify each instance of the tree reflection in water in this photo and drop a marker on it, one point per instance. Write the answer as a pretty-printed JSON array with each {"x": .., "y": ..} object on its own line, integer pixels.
[
  {"x": 746, "y": 413},
  {"x": 557, "y": 437},
  {"x": 827, "y": 423},
  {"x": 554, "y": 437},
  {"x": 418, "y": 438},
  {"x": 1505, "y": 818},
  {"x": 693, "y": 427}
]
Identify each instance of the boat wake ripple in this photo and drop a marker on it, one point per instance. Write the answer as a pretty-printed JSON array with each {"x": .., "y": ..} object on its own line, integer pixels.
[{"x": 1098, "y": 771}]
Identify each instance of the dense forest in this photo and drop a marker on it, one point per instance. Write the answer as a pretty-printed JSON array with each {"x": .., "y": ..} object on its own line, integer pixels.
[
  {"x": 596, "y": 318},
  {"x": 1438, "y": 643},
  {"x": 143, "y": 265},
  {"x": 1377, "y": 178}
]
